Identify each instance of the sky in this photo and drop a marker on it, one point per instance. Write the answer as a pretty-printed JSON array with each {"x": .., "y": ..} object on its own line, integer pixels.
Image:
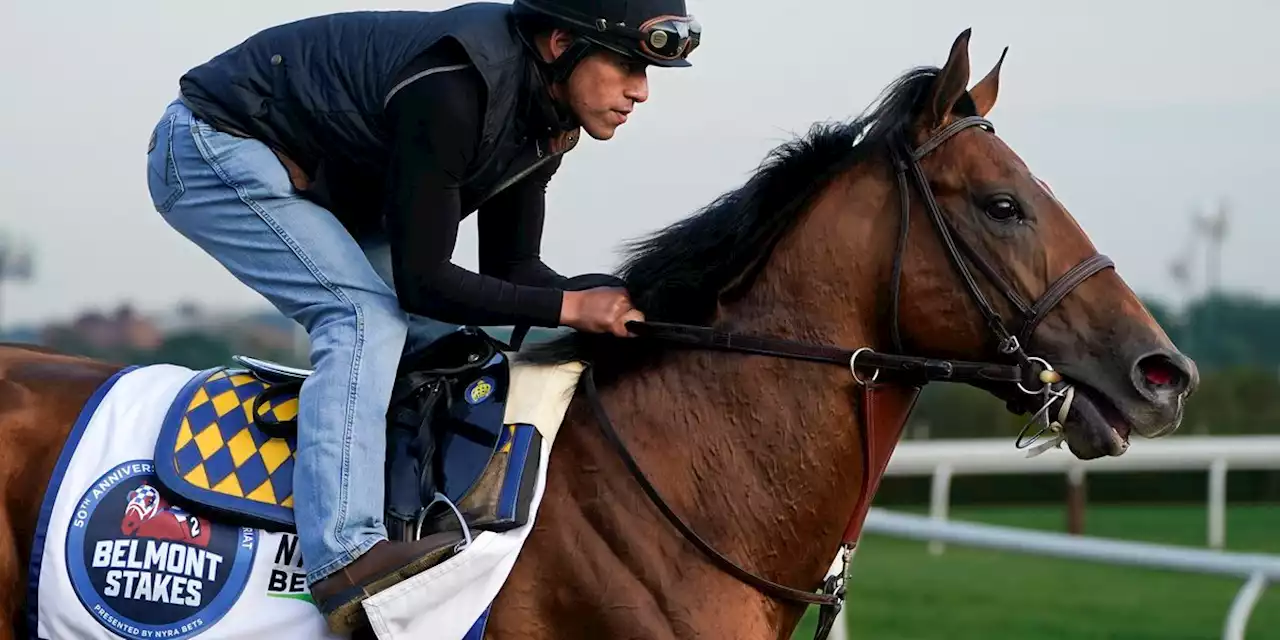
[{"x": 1139, "y": 114}]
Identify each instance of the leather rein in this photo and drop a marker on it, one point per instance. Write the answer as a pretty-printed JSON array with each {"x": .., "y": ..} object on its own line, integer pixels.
[{"x": 912, "y": 370}]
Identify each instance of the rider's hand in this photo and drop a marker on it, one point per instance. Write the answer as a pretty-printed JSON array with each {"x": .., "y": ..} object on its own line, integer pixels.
[{"x": 599, "y": 310}]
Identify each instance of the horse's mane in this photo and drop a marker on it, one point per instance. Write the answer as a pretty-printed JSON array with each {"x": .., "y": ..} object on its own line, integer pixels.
[{"x": 680, "y": 273}]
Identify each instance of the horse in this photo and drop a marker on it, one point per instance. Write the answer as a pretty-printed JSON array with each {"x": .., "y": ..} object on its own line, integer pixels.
[{"x": 709, "y": 468}]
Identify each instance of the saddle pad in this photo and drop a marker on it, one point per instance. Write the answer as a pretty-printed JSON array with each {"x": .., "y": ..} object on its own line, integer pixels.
[
  {"x": 112, "y": 558},
  {"x": 451, "y": 600},
  {"x": 211, "y": 453}
]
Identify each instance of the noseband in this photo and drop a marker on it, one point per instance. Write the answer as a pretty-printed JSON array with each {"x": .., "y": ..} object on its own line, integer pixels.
[{"x": 912, "y": 370}]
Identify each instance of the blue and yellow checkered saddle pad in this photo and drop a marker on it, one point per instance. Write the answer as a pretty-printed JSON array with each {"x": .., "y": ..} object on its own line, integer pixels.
[
  {"x": 213, "y": 457},
  {"x": 211, "y": 453}
]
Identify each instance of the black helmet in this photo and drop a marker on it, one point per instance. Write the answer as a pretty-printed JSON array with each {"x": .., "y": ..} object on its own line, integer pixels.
[{"x": 659, "y": 32}]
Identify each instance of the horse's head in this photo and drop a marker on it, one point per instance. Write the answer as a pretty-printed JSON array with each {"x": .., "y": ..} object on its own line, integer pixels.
[{"x": 1035, "y": 267}]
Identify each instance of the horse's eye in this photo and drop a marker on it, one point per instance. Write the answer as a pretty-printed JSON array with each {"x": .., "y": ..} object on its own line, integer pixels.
[{"x": 1003, "y": 209}]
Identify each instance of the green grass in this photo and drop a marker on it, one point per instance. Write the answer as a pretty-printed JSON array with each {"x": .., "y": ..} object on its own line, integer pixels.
[{"x": 898, "y": 591}]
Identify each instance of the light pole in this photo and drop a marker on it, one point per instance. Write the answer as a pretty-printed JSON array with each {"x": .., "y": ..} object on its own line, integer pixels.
[{"x": 1214, "y": 228}]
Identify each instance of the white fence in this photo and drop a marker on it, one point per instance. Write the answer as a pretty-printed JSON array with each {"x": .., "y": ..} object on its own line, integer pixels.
[
  {"x": 943, "y": 459},
  {"x": 1256, "y": 569}
]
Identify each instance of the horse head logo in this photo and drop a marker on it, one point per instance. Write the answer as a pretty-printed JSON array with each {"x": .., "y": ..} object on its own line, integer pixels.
[
  {"x": 142, "y": 519},
  {"x": 144, "y": 504}
]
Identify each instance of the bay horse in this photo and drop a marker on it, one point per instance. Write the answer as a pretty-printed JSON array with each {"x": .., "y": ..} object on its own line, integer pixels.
[{"x": 706, "y": 472}]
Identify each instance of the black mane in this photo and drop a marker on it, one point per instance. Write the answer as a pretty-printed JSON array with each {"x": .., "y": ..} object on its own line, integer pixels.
[{"x": 679, "y": 273}]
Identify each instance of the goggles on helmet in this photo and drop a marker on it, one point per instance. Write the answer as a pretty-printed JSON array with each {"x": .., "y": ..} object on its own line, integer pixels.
[{"x": 666, "y": 37}]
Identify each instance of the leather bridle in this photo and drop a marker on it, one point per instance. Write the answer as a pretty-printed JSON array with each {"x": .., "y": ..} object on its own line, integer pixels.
[
  {"x": 911, "y": 370},
  {"x": 1010, "y": 343}
]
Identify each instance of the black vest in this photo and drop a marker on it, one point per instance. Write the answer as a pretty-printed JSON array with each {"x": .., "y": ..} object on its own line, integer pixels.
[{"x": 314, "y": 90}]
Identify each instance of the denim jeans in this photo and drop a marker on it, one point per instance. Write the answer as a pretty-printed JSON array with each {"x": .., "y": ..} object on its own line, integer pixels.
[{"x": 232, "y": 197}]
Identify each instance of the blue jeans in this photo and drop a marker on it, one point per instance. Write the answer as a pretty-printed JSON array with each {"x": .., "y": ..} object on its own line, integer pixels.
[{"x": 232, "y": 197}]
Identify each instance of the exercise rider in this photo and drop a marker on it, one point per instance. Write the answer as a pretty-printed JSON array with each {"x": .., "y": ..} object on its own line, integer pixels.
[{"x": 326, "y": 163}]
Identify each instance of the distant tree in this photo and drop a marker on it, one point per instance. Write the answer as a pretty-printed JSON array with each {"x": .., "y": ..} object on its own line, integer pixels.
[
  {"x": 1233, "y": 331},
  {"x": 191, "y": 349}
]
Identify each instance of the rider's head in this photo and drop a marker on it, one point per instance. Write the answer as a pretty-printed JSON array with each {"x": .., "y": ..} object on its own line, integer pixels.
[{"x": 596, "y": 52}]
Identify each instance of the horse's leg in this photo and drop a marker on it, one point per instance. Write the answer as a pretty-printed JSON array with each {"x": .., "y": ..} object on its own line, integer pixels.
[{"x": 41, "y": 395}]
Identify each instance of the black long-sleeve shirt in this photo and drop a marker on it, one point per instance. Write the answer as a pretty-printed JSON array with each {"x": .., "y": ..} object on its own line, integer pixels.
[{"x": 435, "y": 121}]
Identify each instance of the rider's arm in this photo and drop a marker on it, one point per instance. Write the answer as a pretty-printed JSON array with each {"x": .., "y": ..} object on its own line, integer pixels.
[
  {"x": 435, "y": 123},
  {"x": 510, "y": 229}
]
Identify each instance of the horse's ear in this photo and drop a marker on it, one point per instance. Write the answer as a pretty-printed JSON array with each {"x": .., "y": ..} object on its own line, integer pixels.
[
  {"x": 949, "y": 85},
  {"x": 984, "y": 93}
]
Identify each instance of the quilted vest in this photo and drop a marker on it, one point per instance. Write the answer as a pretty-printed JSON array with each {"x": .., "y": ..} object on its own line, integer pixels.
[{"x": 314, "y": 90}]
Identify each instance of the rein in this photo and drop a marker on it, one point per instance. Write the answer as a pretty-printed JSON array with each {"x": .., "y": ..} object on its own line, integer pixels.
[
  {"x": 912, "y": 371},
  {"x": 911, "y": 367}
]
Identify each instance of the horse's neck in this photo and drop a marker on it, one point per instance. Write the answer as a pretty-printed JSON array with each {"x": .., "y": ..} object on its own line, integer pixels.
[{"x": 763, "y": 456}]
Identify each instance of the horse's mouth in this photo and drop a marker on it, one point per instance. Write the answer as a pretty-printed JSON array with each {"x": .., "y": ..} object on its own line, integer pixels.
[{"x": 1094, "y": 426}]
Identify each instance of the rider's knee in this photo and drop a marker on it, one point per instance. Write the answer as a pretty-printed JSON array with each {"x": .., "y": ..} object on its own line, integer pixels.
[{"x": 376, "y": 323}]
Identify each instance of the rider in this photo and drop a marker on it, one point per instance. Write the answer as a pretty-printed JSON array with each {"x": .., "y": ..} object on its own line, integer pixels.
[{"x": 326, "y": 163}]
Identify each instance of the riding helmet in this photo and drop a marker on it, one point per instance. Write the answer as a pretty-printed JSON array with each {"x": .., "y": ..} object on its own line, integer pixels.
[{"x": 658, "y": 32}]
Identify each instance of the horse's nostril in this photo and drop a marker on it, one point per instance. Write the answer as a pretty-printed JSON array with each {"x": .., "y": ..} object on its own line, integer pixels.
[
  {"x": 1160, "y": 372},
  {"x": 1160, "y": 375}
]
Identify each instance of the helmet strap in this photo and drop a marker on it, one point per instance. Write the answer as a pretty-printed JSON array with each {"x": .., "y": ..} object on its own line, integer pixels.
[
  {"x": 563, "y": 66},
  {"x": 559, "y": 113},
  {"x": 559, "y": 71},
  {"x": 555, "y": 74},
  {"x": 552, "y": 111}
]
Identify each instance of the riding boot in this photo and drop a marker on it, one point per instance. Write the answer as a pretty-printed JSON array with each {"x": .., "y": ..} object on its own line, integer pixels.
[{"x": 340, "y": 596}]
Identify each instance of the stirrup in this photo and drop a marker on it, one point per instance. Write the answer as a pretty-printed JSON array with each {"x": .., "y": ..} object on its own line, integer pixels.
[{"x": 462, "y": 522}]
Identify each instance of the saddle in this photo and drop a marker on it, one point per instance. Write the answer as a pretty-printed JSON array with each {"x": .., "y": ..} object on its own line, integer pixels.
[{"x": 227, "y": 445}]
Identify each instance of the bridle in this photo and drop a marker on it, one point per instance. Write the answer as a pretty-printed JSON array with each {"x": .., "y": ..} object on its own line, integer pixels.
[
  {"x": 1010, "y": 343},
  {"x": 911, "y": 370}
]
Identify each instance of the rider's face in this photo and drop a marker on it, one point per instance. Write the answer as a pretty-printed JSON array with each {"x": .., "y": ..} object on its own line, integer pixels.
[{"x": 603, "y": 88}]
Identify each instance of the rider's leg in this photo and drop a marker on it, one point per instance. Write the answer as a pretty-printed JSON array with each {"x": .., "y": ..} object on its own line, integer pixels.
[
  {"x": 233, "y": 198},
  {"x": 422, "y": 330}
]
